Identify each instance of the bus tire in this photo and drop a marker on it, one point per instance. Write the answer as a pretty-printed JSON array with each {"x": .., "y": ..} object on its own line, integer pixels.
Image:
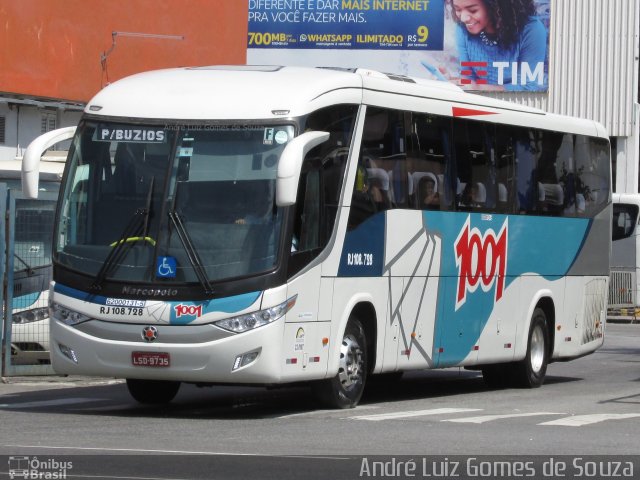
[
  {"x": 345, "y": 389},
  {"x": 530, "y": 372},
  {"x": 152, "y": 392}
]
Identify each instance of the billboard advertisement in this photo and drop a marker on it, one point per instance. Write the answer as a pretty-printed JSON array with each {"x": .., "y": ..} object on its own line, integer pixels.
[{"x": 498, "y": 45}]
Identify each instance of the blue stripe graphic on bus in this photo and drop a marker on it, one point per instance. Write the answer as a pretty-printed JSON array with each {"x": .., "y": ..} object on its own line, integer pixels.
[
  {"x": 79, "y": 294},
  {"x": 97, "y": 299},
  {"x": 25, "y": 301},
  {"x": 481, "y": 256},
  {"x": 363, "y": 250},
  {"x": 183, "y": 313}
]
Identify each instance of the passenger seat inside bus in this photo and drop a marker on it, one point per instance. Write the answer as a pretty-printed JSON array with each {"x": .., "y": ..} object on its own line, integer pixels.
[
  {"x": 553, "y": 193},
  {"x": 398, "y": 195},
  {"x": 379, "y": 188},
  {"x": 479, "y": 194},
  {"x": 503, "y": 198}
]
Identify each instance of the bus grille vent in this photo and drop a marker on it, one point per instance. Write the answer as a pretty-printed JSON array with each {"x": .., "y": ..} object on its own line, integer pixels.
[{"x": 594, "y": 310}]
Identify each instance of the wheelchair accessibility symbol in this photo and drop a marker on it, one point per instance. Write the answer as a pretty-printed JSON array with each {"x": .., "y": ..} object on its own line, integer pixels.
[{"x": 166, "y": 267}]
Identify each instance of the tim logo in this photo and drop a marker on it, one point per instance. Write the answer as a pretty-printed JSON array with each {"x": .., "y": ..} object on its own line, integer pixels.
[
  {"x": 188, "y": 310},
  {"x": 481, "y": 72},
  {"x": 481, "y": 260},
  {"x": 521, "y": 73}
]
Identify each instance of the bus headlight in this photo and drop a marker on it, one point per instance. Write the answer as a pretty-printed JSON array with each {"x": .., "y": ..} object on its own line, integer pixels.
[
  {"x": 249, "y": 321},
  {"x": 66, "y": 316},
  {"x": 33, "y": 315}
]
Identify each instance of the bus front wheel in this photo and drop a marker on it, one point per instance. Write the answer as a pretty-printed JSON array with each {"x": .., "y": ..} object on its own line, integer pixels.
[
  {"x": 152, "y": 391},
  {"x": 345, "y": 389},
  {"x": 530, "y": 371}
]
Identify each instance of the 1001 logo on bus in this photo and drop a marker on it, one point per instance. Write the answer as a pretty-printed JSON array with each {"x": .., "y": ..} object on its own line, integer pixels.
[
  {"x": 481, "y": 260},
  {"x": 188, "y": 310}
]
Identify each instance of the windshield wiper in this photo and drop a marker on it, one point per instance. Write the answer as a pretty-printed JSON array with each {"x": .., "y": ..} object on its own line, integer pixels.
[
  {"x": 29, "y": 269},
  {"x": 135, "y": 231},
  {"x": 192, "y": 253}
]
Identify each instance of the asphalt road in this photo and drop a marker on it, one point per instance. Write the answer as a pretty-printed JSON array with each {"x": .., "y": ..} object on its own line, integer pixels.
[{"x": 590, "y": 406}]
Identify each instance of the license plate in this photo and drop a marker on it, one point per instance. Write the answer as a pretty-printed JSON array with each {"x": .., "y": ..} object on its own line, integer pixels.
[{"x": 150, "y": 359}]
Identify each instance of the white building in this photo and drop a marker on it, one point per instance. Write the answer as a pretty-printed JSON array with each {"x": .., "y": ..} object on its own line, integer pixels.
[{"x": 24, "y": 118}]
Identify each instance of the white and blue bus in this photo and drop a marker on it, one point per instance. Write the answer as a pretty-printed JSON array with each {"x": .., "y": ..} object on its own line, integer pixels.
[
  {"x": 30, "y": 260},
  {"x": 277, "y": 225},
  {"x": 624, "y": 296}
]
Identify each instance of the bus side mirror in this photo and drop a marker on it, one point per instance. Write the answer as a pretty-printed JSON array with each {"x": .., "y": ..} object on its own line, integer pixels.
[
  {"x": 290, "y": 165},
  {"x": 31, "y": 158}
]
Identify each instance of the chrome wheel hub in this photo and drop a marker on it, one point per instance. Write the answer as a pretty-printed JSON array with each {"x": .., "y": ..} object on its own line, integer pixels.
[
  {"x": 351, "y": 364},
  {"x": 537, "y": 349}
]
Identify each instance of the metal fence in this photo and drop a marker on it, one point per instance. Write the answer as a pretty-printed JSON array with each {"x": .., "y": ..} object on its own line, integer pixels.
[
  {"x": 26, "y": 233},
  {"x": 621, "y": 289},
  {"x": 622, "y": 296}
]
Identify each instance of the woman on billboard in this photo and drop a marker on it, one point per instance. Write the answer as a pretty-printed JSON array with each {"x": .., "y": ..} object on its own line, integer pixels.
[{"x": 501, "y": 44}]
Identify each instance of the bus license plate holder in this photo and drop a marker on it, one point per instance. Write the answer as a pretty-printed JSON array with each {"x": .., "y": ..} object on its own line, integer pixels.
[{"x": 151, "y": 359}]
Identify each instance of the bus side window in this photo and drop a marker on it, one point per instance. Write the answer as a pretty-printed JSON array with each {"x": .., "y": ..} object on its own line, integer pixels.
[
  {"x": 430, "y": 158},
  {"x": 313, "y": 219},
  {"x": 320, "y": 185},
  {"x": 555, "y": 174},
  {"x": 475, "y": 165},
  {"x": 591, "y": 173},
  {"x": 330, "y": 159},
  {"x": 505, "y": 170},
  {"x": 307, "y": 228},
  {"x": 623, "y": 221},
  {"x": 527, "y": 153},
  {"x": 381, "y": 177}
]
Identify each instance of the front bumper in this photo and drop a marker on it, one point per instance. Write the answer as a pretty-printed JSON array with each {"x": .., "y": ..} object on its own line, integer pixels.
[{"x": 209, "y": 361}]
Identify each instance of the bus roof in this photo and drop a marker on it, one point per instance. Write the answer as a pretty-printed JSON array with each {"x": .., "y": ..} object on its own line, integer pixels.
[
  {"x": 629, "y": 198},
  {"x": 271, "y": 92}
]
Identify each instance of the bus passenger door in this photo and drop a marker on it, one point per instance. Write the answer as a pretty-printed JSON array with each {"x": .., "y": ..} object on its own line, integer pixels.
[
  {"x": 392, "y": 333},
  {"x": 412, "y": 265},
  {"x": 458, "y": 332},
  {"x": 415, "y": 317}
]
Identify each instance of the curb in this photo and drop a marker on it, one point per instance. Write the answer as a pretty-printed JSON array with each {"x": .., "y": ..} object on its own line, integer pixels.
[{"x": 626, "y": 321}]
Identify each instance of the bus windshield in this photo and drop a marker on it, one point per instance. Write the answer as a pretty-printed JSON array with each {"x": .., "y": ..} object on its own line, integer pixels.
[{"x": 172, "y": 203}]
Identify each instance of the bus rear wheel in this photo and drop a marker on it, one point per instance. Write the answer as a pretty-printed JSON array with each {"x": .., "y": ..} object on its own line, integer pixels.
[
  {"x": 152, "y": 392},
  {"x": 530, "y": 371},
  {"x": 345, "y": 389}
]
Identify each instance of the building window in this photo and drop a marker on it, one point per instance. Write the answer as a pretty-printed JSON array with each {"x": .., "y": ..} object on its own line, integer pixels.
[
  {"x": 2, "y": 128},
  {"x": 48, "y": 122}
]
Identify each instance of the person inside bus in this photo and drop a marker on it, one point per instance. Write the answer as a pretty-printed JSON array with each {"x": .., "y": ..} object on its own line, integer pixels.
[
  {"x": 255, "y": 206},
  {"x": 262, "y": 214},
  {"x": 471, "y": 195},
  {"x": 362, "y": 203},
  {"x": 429, "y": 190},
  {"x": 466, "y": 196}
]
